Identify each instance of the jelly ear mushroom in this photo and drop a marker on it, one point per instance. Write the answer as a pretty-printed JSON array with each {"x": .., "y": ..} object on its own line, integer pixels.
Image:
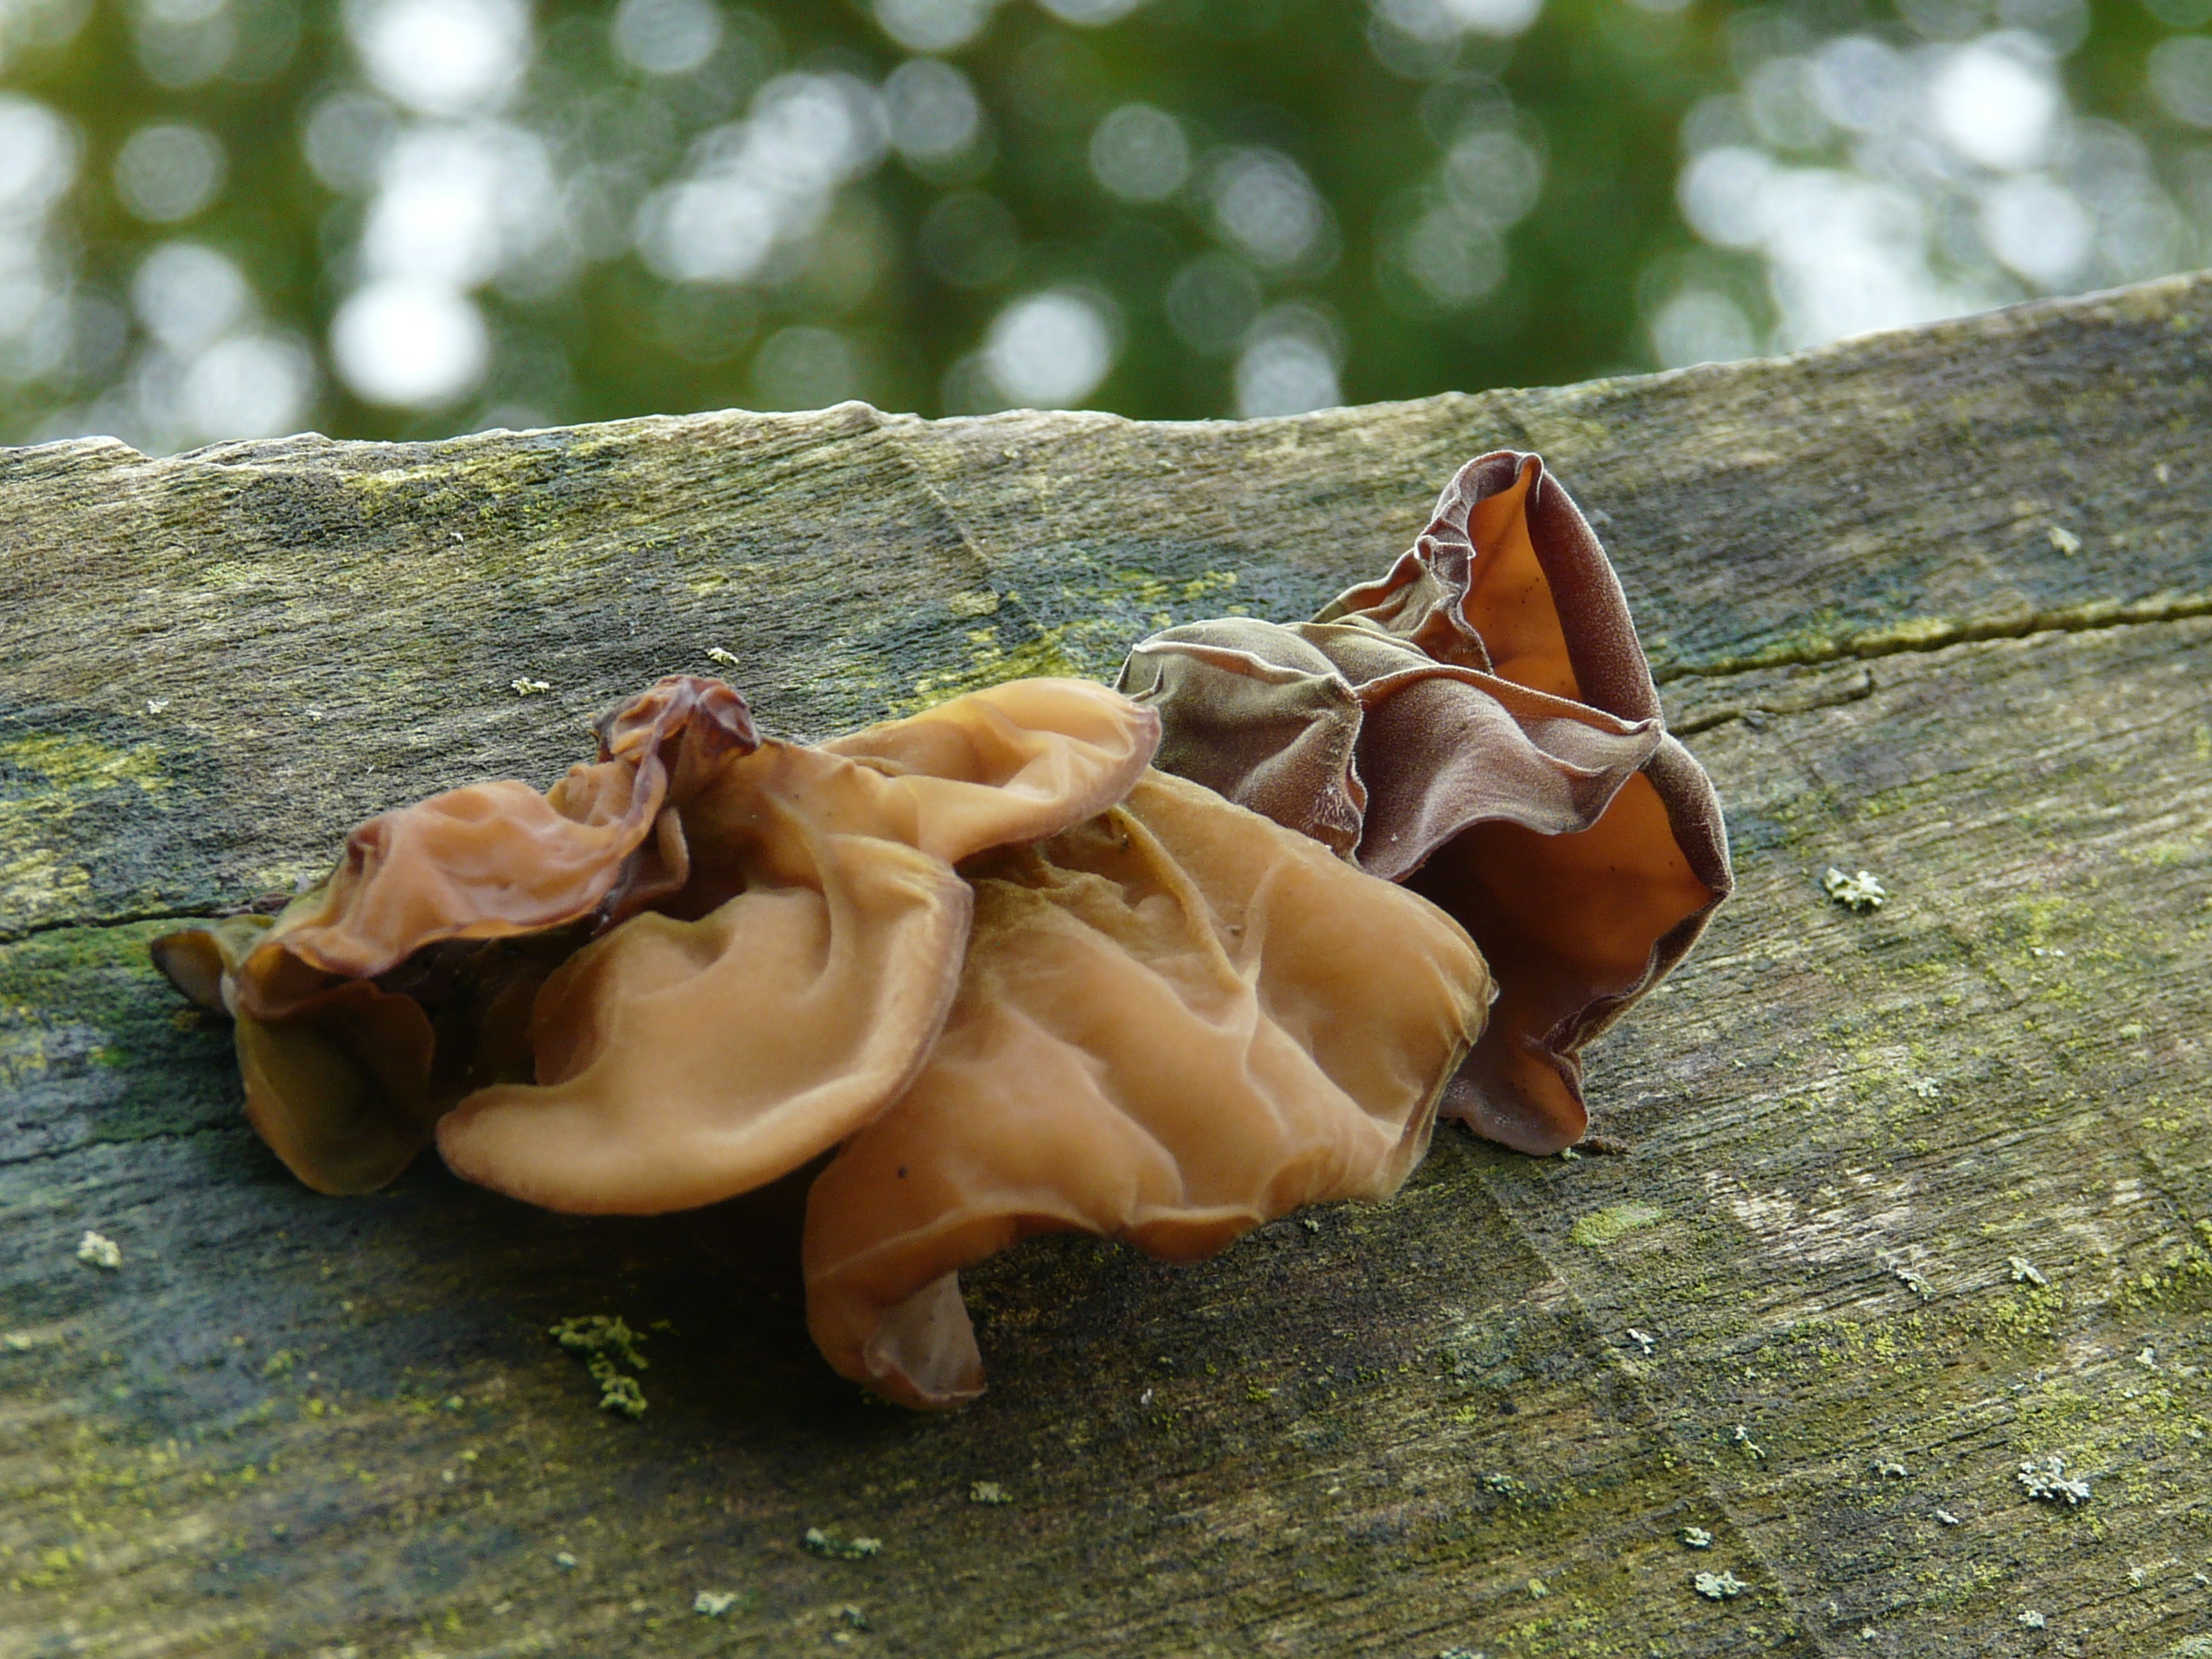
[
  {"x": 495, "y": 860},
  {"x": 1481, "y": 724},
  {"x": 796, "y": 988},
  {"x": 338, "y": 1068},
  {"x": 202, "y": 961},
  {"x": 1588, "y": 921},
  {"x": 1022, "y": 759},
  {"x": 1176, "y": 1021},
  {"x": 339, "y": 1089}
]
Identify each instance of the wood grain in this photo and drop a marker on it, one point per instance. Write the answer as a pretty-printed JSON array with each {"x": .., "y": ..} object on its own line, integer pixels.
[{"x": 1906, "y": 1197}]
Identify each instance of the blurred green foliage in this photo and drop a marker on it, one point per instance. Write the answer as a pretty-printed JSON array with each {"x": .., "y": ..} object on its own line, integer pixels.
[{"x": 1597, "y": 91}]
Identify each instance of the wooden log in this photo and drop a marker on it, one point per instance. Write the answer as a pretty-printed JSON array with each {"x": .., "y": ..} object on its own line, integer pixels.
[{"x": 1906, "y": 1198}]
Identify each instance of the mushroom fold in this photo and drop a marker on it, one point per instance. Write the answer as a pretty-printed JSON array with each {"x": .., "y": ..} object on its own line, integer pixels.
[
  {"x": 563, "y": 987},
  {"x": 795, "y": 987},
  {"x": 1177, "y": 1021},
  {"x": 1481, "y": 725}
]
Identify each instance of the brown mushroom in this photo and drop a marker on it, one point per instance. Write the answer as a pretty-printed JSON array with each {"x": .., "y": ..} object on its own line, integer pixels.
[
  {"x": 1481, "y": 724},
  {"x": 399, "y": 983},
  {"x": 490, "y": 860},
  {"x": 778, "y": 931},
  {"x": 794, "y": 987},
  {"x": 1176, "y": 1021}
]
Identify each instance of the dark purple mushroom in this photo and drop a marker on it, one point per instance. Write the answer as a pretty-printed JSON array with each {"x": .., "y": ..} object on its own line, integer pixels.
[{"x": 1481, "y": 725}]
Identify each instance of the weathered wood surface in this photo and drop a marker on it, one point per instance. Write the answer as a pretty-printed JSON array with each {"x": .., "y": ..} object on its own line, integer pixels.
[{"x": 1938, "y": 605}]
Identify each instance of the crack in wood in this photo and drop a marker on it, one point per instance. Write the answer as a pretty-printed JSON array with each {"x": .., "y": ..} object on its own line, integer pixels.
[{"x": 1936, "y": 635}]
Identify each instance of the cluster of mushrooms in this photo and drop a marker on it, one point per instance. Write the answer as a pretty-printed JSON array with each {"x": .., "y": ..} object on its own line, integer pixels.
[{"x": 1159, "y": 964}]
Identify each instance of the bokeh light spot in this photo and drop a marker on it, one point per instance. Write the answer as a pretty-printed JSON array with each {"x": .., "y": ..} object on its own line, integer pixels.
[
  {"x": 1212, "y": 302},
  {"x": 2039, "y": 229},
  {"x": 806, "y": 367},
  {"x": 1264, "y": 205},
  {"x": 188, "y": 295},
  {"x": 410, "y": 344},
  {"x": 1996, "y": 100},
  {"x": 932, "y": 110},
  {"x": 1289, "y": 366},
  {"x": 1139, "y": 153},
  {"x": 1052, "y": 350},
  {"x": 666, "y": 37},
  {"x": 933, "y": 25},
  {"x": 1090, "y": 14},
  {"x": 251, "y": 386},
  {"x": 2181, "y": 78},
  {"x": 168, "y": 172},
  {"x": 442, "y": 57},
  {"x": 1698, "y": 325},
  {"x": 38, "y": 157}
]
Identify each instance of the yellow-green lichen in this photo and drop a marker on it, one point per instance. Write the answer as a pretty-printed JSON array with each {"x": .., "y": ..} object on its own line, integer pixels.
[
  {"x": 605, "y": 1345},
  {"x": 1615, "y": 1222},
  {"x": 52, "y": 778}
]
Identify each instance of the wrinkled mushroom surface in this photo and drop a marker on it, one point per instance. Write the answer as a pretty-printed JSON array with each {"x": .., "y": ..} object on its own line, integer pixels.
[
  {"x": 683, "y": 969},
  {"x": 1481, "y": 724},
  {"x": 1176, "y": 1021},
  {"x": 794, "y": 987}
]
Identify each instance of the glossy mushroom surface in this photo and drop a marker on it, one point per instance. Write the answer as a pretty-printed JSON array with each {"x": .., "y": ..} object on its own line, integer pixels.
[
  {"x": 793, "y": 990},
  {"x": 1176, "y": 1020},
  {"x": 685, "y": 969},
  {"x": 406, "y": 977},
  {"x": 1481, "y": 725}
]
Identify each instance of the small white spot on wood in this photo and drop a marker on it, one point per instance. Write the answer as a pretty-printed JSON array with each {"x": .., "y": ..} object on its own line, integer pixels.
[
  {"x": 2047, "y": 1482},
  {"x": 2065, "y": 540},
  {"x": 829, "y": 1545},
  {"x": 97, "y": 1250},
  {"x": 526, "y": 688},
  {"x": 1859, "y": 893},
  {"x": 713, "y": 1603},
  {"x": 1719, "y": 1586}
]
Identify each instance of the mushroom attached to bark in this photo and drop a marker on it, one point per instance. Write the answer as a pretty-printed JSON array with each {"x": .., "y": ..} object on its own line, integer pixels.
[
  {"x": 1480, "y": 724},
  {"x": 683, "y": 970},
  {"x": 1177, "y": 1021},
  {"x": 403, "y": 979}
]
